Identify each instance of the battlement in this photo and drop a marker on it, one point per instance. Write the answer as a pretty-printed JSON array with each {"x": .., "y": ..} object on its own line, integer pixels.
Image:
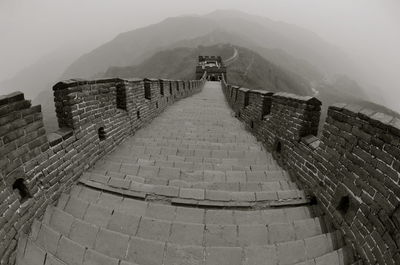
[
  {"x": 94, "y": 116},
  {"x": 352, "y": 169},
  {"x": 210, "y": 58}
]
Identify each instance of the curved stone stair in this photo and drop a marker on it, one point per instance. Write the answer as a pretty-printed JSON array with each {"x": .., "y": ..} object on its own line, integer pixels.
[
  {"x": 83, "y": 229},
  {"x": 192, "y": 187}
]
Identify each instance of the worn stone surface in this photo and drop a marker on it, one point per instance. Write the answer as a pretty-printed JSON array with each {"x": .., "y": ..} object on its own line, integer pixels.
[{"x": 195, "y": 153}]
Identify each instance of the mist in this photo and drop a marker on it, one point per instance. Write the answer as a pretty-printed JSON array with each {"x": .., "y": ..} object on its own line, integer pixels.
[{"x": 368, "y": 31}]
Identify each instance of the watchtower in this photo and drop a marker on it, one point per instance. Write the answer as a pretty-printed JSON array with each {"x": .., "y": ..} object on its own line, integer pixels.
[{"x": 214, "y": 67}]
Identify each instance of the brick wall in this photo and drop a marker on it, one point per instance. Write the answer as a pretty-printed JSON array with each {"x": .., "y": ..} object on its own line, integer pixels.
[
  {"x": 352, "y": 169},
  {"x": 93, "y": 116}
]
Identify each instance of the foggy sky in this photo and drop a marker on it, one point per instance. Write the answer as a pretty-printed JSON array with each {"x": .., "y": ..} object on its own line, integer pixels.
[{"x": 367, "y": 30}]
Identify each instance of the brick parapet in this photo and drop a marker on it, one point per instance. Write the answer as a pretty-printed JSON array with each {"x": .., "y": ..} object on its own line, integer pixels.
[
  {"x": 94, "y": 117},
  {"x": 352, "y": 168}
]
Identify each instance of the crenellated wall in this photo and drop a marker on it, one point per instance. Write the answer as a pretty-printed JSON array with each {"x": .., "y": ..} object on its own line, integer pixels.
[
  {"x": 352, "y": 169},
  {"x": 93, "y": 116}
]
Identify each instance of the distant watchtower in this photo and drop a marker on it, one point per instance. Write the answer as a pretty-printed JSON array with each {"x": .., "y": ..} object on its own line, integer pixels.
[{"x": 214, "y": 67}]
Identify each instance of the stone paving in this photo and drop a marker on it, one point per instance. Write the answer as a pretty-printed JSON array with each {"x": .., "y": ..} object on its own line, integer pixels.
[{"x": 192, "y": 187}]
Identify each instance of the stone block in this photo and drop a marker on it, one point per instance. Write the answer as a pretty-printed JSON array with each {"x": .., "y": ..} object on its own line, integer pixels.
[
  {"x": 223, "y": 256},
  {"x": 143, "y": 251},
  {"x": 70, "y": 252},
  {"x": 154, "y": 229},
  {"x": 83, "y": 233},
  {"x": 111, "y": 243}
]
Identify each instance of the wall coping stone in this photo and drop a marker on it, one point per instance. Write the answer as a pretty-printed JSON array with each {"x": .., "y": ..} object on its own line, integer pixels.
[
  {"x": 305, "y": 99},
  {"x": 388, "y": 121},
  {"x": 243, "y": 89},
  {"x": 78, "y": 82},
  {"x": 54, "y": 138},
  {"x": 262, "y": 92},
  {"x": 12, "y": 97},
  {"x": 133, "y": 79}
]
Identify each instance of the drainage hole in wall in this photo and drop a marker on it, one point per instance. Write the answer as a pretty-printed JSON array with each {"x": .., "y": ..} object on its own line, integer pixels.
[
  {"x": 102, "y": 134},
  {"x": 344, "y": 205},
  {"x": 19, "y": 185},
  {"x": 278, "y": 147}
]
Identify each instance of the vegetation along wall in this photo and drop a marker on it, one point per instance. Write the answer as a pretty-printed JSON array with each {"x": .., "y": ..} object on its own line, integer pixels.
[{"x": 352, "y": 169}]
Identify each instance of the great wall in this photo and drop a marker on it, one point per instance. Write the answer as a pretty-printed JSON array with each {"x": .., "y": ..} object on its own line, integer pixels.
[{"x": 152, "y": 171}]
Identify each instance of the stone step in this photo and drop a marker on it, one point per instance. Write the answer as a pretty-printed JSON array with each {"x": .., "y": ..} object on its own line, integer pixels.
[
  {"x": 82, "y": 197},
  {"x": 246, "y": 155},
  {"x": 173, "y": 173},
  {"x": 122, "y": 220},
  {"x": 34, "y": 254},
  {"x": 49, "y": 247},
  {"x": 231, "y": 180},
  {"x": 227, "y": 185},
  {"x": 197, "y": 134},
  {"x": 188, "y": 163},
  {"x": 195, "y": 197},
  {"x": 109, "y": 247},
  {"x": 209, "y": 137},
  {"x": 342, "y": 256},
  {"x": 192, "y": 145},
  {"x": 183, "y": 233}
]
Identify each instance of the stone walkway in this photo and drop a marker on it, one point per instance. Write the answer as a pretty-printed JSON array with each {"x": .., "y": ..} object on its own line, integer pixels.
[{"x": 192, "y": 187}]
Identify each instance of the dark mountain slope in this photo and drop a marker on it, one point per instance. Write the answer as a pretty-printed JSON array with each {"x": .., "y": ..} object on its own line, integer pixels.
[
  {"x": 276, "y": 56},
  {"x": 249, "y": 70},
  {"x": 294, "y": 40}
]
